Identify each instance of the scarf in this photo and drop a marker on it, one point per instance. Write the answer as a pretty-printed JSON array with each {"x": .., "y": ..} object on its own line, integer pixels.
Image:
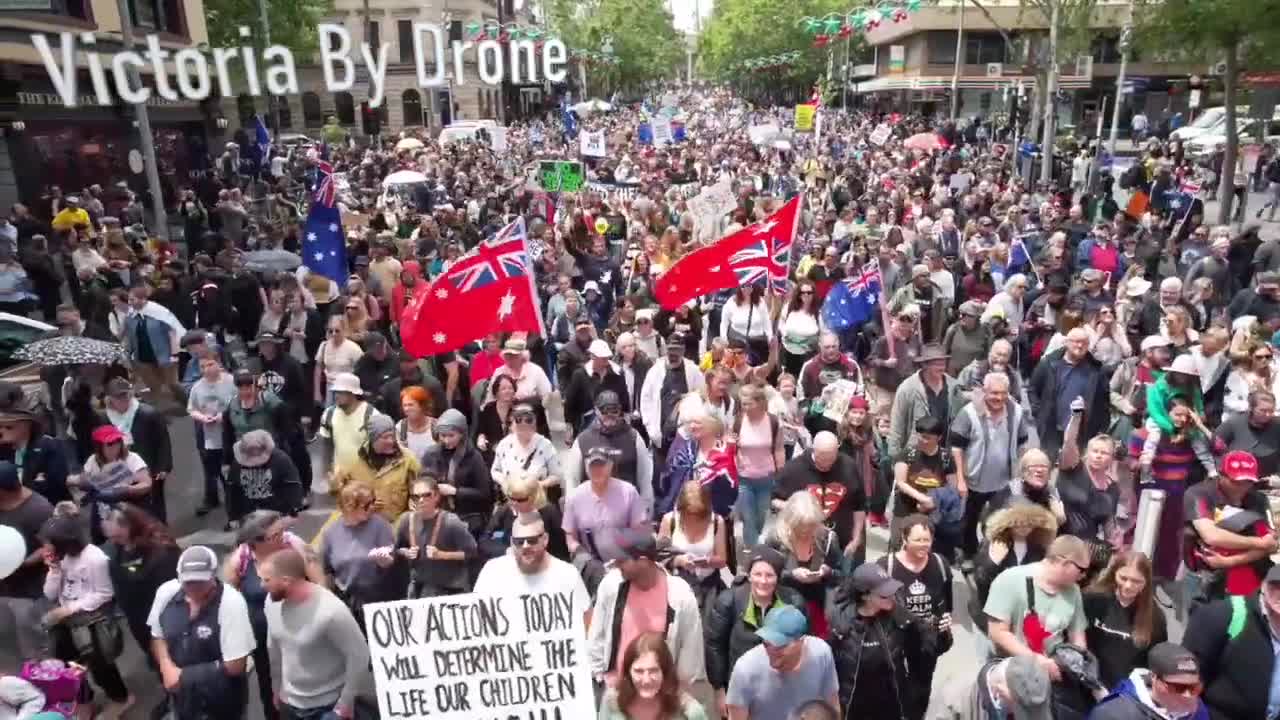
[{"x": 124, "y": 420}]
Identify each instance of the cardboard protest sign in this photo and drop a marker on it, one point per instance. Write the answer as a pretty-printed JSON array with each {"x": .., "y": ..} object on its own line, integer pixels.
[
  {"x": 804, "y": 117},
  {"x": 592, "y": 144},
  {"x": 560, "y": 175},
  {"x": 481, "y": 657},
  {"x": 713, "y": 202},
  {"x": 880, "y": 135}
]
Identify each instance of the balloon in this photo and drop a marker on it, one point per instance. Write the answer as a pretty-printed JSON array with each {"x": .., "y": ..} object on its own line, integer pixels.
[
  {"x": 13, "y": 551},
  {"x": 602, "y": 226}
]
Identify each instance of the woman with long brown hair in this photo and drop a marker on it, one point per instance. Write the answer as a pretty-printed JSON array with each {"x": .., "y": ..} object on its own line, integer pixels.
[
  {"x": 648, "y": 686},
  {"x": 800, "y": 327},
  {"x": 1124, "y": 619},
  {"x": 141, "y": 556}
]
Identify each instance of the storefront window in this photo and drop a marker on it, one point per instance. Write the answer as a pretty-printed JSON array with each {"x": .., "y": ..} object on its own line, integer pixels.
[
  {"x": 411, "y": 102},
  {"x": 312, "y": 116},
  {"x": 245, "y": 106},
  {"x": 345, "y": 107}
]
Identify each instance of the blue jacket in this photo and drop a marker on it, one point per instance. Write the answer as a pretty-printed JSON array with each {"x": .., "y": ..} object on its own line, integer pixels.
[
  {"x": 157, "y": 331},
  {"x": 1131, "y": 700}
]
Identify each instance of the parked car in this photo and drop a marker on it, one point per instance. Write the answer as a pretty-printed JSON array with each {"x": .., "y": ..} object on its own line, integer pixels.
[{"x": 1213, "y": 142}]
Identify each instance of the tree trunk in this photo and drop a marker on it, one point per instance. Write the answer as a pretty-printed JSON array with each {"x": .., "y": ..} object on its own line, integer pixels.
[{"x": 1227, "y": 178}]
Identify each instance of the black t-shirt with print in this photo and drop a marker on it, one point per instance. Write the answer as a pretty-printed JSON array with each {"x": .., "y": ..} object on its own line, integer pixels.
[{"x": 924, "y": 473}]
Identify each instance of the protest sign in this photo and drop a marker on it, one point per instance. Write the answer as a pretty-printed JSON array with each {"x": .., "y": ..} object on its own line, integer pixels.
[
  {"x": 713, "y": 202},
  {"x": 761, "y": 134},
  {"x": 662, "y": 132},
  {"x": 804, "y": 117},
  {"x": 560, "y": 175},
  {"x": 880, "y": 135},
  {"x": 481, "y": 657},
  {"x": 498, "y": 140},
  {"x": 592, "y": 144}
]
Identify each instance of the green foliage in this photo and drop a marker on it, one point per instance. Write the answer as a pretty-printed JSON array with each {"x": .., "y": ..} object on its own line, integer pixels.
[
  {"x": 1200, "y": 30},
  {"x": 293, "y": 23},
  {"x": 642, "y": 33},
  {"x": 739, "y": 30}
]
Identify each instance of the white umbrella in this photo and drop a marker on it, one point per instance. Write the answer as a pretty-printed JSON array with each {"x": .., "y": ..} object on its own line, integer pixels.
[
  {"x": 592, "y": 106},
  {"x": 408, "y": 144},
  {"x": 404, "y": 177}
]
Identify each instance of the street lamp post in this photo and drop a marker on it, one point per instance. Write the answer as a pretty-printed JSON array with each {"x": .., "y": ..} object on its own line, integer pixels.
[
  {"x": 955, "y": 73},
  {"x": 1126, "y": 45},
  {"x": 146, "y": 139}
]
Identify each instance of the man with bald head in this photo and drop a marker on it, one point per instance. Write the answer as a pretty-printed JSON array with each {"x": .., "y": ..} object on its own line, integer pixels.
[
  {"x": 837, "y": 484},
  {"x": 1062, "y": 376}
]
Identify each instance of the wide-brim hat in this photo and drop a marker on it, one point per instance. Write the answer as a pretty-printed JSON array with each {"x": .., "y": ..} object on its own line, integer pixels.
[
  {"x": 254, "y": 449},
  {"x": 931, "y": 352},
  {"x": 348, "y": 383}
]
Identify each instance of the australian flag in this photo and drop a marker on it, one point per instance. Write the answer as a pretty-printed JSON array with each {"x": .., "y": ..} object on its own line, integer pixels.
[
  {"x": 853, "y": 301},
  {"x": 568, "y": 118},
  {"x": 1018, "y": 255},
  {"x": 324, "y": 246},
  {"x": 261, "y": 142}
]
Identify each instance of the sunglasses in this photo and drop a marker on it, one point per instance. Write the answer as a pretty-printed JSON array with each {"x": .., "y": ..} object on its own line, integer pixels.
[
  {"x": 1081, "y": 568},
  {"x": 1262, "y": 356},
  {"x": 611, "y": 410},
  {"x": 528, "y": 541},
  {"x": 522, "y": 419},
  {"x": 422, "y": 495},
  {"x": 806, "y": 292}
]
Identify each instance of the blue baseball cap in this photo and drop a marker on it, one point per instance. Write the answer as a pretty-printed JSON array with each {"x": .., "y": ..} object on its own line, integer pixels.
[{"x": 783, "y": 626}]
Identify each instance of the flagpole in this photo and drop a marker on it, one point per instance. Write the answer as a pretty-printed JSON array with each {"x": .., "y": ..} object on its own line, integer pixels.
[
  {"x": 884, "y": 312},
  {"x": 528, "y": 276}
]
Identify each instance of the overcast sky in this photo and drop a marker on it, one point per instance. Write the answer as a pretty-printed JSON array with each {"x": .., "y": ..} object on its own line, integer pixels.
[{"x": 684, "y": 10}]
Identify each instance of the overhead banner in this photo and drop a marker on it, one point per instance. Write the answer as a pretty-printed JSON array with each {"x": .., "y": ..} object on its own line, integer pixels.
[
  {"x": 463, "y": 657},
  {"x": 560, "y": 175},
  {"x": 804, "y": 117},
  {"x": 591, "y": 144}
]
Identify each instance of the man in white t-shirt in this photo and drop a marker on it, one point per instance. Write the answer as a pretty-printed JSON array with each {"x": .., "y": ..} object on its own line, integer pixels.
[
  {"x": 528, "y": 568},
  {"x": 202, "y": 640}
]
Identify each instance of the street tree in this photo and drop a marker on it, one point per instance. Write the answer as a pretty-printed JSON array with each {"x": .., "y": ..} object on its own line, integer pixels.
[
  {"x": 641, "y": 34},
  {"x": 292, "y": 22},
  {"x": 1239, "y": 33}
]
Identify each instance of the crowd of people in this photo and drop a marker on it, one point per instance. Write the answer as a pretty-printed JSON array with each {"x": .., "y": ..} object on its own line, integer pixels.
[{"x": 1067, "y": 405}]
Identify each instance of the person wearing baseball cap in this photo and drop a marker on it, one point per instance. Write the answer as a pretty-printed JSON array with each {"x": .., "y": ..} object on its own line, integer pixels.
[
  {"x": 1230, "y": 519},
  {"x": 922, "y": 294},
  {"x": 588, "y": 381},
  {"x": 202, "y": 639},
  {"x": 787, "y": 669},
  {"x": 1169, "y": 687}
]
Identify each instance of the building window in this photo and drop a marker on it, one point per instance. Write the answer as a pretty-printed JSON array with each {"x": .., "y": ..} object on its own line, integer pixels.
[
  {"x": 1106, "y": 49},
  {"x": 481, "y": 103},
  {"x": 146, "y": 14},
  {"x": 78, "y": 9},
  {"x": 312, "y": 116},
  {"x": 942, "y": 48},
  {"x": 333, "y": 42},
  {"x": 345, "y": 108},
  {"x": 246, "y": 109},
  {"x": 411, "y": 102},
  {"x": 404, "y": 28},
  {"x": 375, "y": 37},
  {"x": 282, "y": 112},
  {"x": 175, "y": 20},
  {"x": 983, "y": 48}
]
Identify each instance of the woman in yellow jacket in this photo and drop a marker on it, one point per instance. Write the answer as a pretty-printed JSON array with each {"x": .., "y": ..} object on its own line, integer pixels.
[{"x": 384, "y": 465}]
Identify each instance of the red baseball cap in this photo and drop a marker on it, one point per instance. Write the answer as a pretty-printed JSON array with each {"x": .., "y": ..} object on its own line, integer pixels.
[
  {"x": 107, "y": 434},
  {"x": 1240, "y": 465}
]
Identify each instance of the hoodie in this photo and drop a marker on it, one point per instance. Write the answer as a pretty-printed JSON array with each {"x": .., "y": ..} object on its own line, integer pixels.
[
  {"x": 464, "y": 468},
  {"x": 1131, "y": 700}
]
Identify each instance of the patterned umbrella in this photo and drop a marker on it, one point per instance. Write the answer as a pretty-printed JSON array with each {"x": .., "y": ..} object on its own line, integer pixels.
[{"x": 71, "y": 350}]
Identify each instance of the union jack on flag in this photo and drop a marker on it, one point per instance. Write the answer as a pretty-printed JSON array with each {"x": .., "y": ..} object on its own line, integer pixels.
[
  {"x": 326, "y": 191},
  {"x": 764, "y": 261},
  {"x": 491, "y": 261}
]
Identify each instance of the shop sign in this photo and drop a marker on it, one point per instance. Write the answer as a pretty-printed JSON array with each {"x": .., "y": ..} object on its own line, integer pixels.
[{"x": 55, "y": 100}]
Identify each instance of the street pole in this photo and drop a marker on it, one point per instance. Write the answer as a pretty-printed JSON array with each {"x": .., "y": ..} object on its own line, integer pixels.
[
  {"x": 844, "y": 86},
  {"x": 368, "y": 34},
  {"x": 955, "y": 74},
  {"x": 1126, "y": 42},
  {"x": 273, "y": 106},
  {"x": 144, "y": 130},
  {"x": 1051, "y": 89}
]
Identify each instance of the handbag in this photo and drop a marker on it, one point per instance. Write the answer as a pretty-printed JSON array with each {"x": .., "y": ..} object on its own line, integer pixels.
[{"x": 95, "y": 632}]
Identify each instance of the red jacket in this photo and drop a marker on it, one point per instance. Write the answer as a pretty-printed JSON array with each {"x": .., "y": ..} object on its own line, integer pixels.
[{"x": 402, "y": 296}]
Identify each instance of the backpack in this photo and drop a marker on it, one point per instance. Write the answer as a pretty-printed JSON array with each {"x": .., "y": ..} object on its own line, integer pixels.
[
  {"x": 326, "y": 419},
  {"x": 1273, "y": 170}
]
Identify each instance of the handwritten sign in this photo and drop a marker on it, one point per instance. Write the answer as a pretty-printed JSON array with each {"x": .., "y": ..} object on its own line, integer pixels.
[
  {"x": 662, "y": 134},
  {"x": 713, "y": 202},
  {"x": 560, "y": 175},
  {"x": 804, "y": 117},
  {"x": 481, "y": 657},
  {"x": 880, "y": 135},
  {"x": 592, "y": 144}
]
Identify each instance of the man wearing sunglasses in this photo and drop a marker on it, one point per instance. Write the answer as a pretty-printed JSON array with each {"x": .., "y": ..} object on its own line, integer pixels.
[
  {"x": 1032, "y": 608},
  {"x": 1169, "y": 688},
  {"x": 528, "y": 569}
]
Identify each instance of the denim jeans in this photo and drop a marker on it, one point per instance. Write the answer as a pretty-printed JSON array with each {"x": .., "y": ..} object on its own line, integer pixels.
[
  {"x": 323, "y": 712},
  {"x": 211, "y": 462},
  {"x": 753, "y": 507}
]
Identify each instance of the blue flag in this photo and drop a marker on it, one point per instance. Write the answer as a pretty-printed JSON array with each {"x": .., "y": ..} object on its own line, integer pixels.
[
  {"x": 644, "y": 134},
  {"x": 324, "y": 245},
  {"x": 569, "y": 120},
  {"x": 1018, "y": 255},
  {"x": 853, "y": 301},
  {"x": 261, "y": 141}
]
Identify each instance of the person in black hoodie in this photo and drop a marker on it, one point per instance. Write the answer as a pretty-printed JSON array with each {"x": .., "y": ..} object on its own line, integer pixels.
[
  {"x": 377, "y": 367},
  {"x": 1234, "y": 640},
  {"x": 142, "y": 556},
  {"x": 1016, "y": 535},
  {"x": 1125, "y": 621},
  {"x": 876, "y": 642},
  {"x": 282, "y": 375},
  {"x": 733, "y": 618},
  {"x": 263, "y": 476},
  {"x": 463, "y": 474}
]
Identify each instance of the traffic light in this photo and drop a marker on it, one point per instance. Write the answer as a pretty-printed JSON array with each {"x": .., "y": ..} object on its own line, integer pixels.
[{"x": 370, "y": 118}]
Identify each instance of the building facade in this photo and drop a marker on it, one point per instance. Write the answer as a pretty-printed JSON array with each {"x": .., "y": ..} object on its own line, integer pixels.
[
  {"x": 405, "y": 104},
  {"x": 913, "y": 63},
  {"x": 46, "y": 143}
]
